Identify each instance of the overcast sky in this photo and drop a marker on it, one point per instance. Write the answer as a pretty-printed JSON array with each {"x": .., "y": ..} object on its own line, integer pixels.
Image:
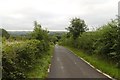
[{"x": 55, "y": 14}]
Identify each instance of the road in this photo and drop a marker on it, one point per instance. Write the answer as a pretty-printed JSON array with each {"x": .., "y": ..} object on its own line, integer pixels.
[{"x": 67, "y": 65}]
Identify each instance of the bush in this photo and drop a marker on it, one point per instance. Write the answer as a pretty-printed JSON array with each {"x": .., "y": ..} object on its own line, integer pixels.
[
  {"x": 21, "y": 57},
  {"x": 107, "y": 44},
  {"x": 86, "y": 41}
]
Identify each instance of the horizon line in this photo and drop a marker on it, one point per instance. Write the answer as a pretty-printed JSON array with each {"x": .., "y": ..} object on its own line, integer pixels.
[{"x": 32, "y": 30}]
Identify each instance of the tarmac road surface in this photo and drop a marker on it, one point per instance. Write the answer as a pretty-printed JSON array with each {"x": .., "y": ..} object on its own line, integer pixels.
[{"x": 67, "y": 65}]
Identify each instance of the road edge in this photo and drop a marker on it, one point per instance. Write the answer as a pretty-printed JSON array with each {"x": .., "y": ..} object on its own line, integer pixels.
[
  {"x": 49, "y": 65},
  {"x": 92, "y": 65}
]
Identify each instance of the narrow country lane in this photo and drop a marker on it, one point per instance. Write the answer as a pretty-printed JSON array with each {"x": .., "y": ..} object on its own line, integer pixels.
[{"x": 67, "y": 65}]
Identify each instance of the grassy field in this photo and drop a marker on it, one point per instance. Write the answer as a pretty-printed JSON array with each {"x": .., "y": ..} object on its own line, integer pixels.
[
  {"x": 40, "y": 70},
  {"x": 99, "y": 63}
]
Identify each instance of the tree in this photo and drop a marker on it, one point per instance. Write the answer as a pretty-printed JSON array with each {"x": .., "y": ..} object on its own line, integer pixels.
[
  {"x": 4, "y": 33},
  {"x": 38, "y": 33},
  {"x": 77, "y": 27}
]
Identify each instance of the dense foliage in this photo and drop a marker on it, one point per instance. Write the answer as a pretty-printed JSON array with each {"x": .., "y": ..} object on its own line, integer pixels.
[
  {"x": 104, "y": 42},
  {"x": 38, "y": 33},
  {"x": 19, "y": 57},
  {"x": 77, "y": 27}
]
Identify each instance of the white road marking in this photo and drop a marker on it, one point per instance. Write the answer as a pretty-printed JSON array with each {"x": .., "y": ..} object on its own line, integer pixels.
[
  {"x": 62, "y": 67},
  {"x": 75, "y": 62},
  {"x": 94, "y": 67},
  {"x": 49, "y": 68},
  {"x": 58, "y": 59}
]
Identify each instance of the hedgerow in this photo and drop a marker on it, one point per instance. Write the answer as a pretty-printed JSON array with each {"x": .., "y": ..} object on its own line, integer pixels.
[
  {"x": 104, "y": 42},
  {"x": 20, "y": 57}
]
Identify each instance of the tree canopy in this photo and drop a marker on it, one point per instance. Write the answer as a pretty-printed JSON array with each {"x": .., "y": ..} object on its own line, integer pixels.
[
  {"x": 77, "y": 27},
  {"x": 38, "y": 33}
]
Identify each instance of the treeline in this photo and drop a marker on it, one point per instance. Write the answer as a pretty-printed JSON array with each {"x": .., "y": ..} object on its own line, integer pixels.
[
  {"x": 104, "y": 42},
  {"x": 20, "y": 58}
]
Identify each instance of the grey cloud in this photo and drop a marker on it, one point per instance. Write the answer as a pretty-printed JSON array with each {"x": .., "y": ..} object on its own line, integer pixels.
[
  {"x": 96, "y": 13},
  {"x": 45, "y": 19}
]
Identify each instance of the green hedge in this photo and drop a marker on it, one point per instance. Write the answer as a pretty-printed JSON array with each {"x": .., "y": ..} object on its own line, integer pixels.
[
  {"x": 104, "y": 42},
  {"x": 20, "y": 57}
]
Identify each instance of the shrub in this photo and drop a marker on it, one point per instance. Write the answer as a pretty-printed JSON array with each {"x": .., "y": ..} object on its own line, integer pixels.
[{"x": 21, "y": 57}]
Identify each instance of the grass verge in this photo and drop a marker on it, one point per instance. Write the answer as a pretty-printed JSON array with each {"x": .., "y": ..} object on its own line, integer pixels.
[
  {"x": 98, "y": 63},
  {"x": 41, "y": 67}
]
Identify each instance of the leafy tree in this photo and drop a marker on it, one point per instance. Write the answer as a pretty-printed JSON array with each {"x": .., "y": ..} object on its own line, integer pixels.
[
  {"x": 77, "y": 27},
  {"x": 39, "y": 33}
]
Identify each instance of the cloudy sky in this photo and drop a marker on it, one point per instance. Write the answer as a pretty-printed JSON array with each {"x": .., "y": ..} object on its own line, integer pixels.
[{"x": 55, "y": 14}]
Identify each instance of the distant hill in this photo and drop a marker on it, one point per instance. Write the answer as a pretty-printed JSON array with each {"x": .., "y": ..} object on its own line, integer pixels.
[
  {"x": 22, "y": 33},
  {"x": 57, "y": 32},
  {"x": 19, "y": 33}
]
